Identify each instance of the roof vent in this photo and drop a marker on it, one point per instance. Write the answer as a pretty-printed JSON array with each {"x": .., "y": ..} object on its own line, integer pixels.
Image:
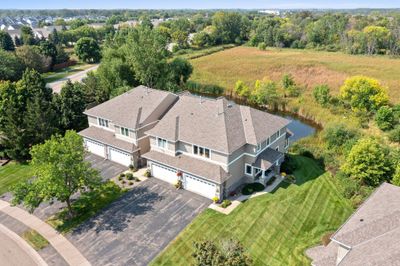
[{"x": 361, "y": 220}]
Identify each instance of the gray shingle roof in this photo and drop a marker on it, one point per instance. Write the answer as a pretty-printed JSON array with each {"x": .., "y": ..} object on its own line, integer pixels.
[
  {"x": 267, "y": 158},
  {"x": 190, "y": 165},
  {"x": 107, "y": 137},
  {"x": 216, "y": 123},
  {"x": 372, "y": 233},
  {"x": 133, "y": 108}
]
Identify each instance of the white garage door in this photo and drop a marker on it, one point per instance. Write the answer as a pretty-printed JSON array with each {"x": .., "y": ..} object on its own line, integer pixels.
[
  {"x": 200, "y": 186},
  {"x": 164, "y": 173},
  {"x": 120, "y": 157},
  {"x": 95, "y": 147}
]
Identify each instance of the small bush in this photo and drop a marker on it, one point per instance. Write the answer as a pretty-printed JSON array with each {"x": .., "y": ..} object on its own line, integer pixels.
[
  {"x": 132, "y": 168},
  {"x": 249, "y": 189},
  {"x": 262, "y": 46},
  {"x": 271, "y": 181},
  {"x": 215, "y": 199},
  {"x": 289, "y": 165},
  {"x": 321, "y": 94},
  {"x": 226, "y": 203},
  {"x": 307, "y": 153},
  {"x": 130, "y": 183},
  {"x": 385, "y": 118},
  {"x": 123, "y": 182},
  {"x": 121, "y": 175},
  {"x": 120, "y": 178},
  {"x": 293, "y": 91},
  {"x": 179, "y": 184},
  {"x": 147, "y": 173},
  {"x": 394, "y": 135},
  {"x": 337, "y": 135},
  {"x": 129, "y": 176}
]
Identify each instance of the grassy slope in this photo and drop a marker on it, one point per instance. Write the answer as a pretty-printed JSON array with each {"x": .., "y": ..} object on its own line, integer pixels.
[
  {"x": 12, "y": 173},
  {"x": 308, "y": 67},
  {"x": 276, "y": 228}
]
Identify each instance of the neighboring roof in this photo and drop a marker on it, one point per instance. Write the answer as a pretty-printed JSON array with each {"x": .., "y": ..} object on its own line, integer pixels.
[
  {"x": 133, "y": 108},
  {"x": 107, "y": 137},
  {"x": 267, "y": 158},
  {"x": 198, "y": 167},
  {"x": 216, "y": 123},
  {"x": 372, "y": 233}
]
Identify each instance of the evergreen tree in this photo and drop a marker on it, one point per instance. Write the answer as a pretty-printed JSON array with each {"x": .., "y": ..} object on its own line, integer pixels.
[{"x": 6, "y": 42}]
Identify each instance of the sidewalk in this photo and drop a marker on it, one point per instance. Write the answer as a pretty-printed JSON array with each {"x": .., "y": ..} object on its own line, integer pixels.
[{"x": 71, "y": 255}]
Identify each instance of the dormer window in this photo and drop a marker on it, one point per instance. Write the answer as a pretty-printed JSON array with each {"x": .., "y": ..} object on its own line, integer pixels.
[
  {"x": 201, "y": 151},
  {"x": 161, "y": 143},
  {"x": 124, "y": 131},
  {"x": 103, "y": 122}
]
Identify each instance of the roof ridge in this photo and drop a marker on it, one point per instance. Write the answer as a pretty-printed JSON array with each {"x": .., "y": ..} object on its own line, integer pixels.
[{"x": 221, "y": 102}]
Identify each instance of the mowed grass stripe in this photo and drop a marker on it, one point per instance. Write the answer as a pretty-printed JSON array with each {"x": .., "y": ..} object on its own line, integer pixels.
[
  {"x": 12, "y": 173},
  {"x": 275, "y": 228}
]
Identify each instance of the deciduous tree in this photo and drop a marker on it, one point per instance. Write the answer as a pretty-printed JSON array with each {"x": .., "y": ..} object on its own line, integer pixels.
[{"x": 88, "y": 50}]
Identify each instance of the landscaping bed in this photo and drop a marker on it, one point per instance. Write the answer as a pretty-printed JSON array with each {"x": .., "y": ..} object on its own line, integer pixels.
[{"x": 251, "y": 188}]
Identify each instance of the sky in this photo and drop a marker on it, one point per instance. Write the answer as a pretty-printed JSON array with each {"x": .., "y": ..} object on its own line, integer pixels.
[{"x": 195, "y": 4}]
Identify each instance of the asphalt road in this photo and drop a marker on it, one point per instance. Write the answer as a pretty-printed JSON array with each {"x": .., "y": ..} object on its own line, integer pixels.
[{"x": 57, "y": 85}]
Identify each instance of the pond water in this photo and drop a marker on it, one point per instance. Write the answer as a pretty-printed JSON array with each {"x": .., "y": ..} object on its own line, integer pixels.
[{"x": 299, "y": 128}]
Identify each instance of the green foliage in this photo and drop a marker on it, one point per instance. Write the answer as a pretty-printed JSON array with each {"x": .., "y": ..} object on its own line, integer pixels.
[
  {"x": 48, "y": 49},
  {"x": 27, "y": 35},
  {"x": 6, "y": 42},
  {"x": 337, "y": 136},
  {"x": 88, "y": 50},
  {"x": 60, "y": 171},
  {"x": 228, "y": 253},
  {"x": 227, "y": 27},
  {"x": 32, "y": 57},
  {"x": 396, "y": 176},
  {"x": 241, "y": 89},
  {"x": 289, "y": 165},
  {"x": 180, "y": 69},
  {"x": 363, "y": 93},
  {"x": 369, "y": 162},
  {"x": 226, "y": 203},
  {"x": 394, "y": 135},
  {"x": 251, "y": 188},
  {"x": 71, "y": 105},
  {"x": 202, "y": 39},
  {"x": 321, "y": 94},
  {"x": 385, "y": 118},
  {"x": 288, "y": 81},
  {"x": 262, "y": 46},
  {"x": 11, "y": 68},
  {"x": 265, "y": 93}
]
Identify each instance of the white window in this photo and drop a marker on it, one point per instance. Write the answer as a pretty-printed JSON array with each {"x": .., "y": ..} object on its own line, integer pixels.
[
  {"x": 125, "y": 131},
  {"x": 162, "y": 143},
  {"x": 259, "y": 145},
  {"x": 103, "y": 122},
  {"x": 201, "y": 151},
  {"x": 248, "y": 169},
  {"x": 278, "y": 133},
  {"x": 286, "y": 143}
]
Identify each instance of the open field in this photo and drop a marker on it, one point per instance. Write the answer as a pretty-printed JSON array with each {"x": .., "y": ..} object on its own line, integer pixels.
[
  {"x": 275, "y": 228},
  {"x": 12, "y": 173},
  {"x": 307, "y": 66}
]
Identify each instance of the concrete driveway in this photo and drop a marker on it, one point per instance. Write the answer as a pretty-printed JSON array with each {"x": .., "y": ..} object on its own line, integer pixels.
[
  {"x": 107, "y": 168},
  {"x": 135, "y": 228}
]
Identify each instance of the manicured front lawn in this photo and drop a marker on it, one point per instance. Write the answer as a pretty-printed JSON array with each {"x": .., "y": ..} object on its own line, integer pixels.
[
  {"x": 12, "y": 173},
  {"x": 275, "y": 228}
]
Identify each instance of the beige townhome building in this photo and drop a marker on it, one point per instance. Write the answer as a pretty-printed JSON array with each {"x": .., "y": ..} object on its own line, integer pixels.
[
  {"x": 211, "y": 146},
  {"x": 117, "y": 127}
]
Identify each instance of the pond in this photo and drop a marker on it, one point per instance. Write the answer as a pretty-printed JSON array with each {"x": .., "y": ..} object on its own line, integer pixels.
[{"x": 299, "y": 127}]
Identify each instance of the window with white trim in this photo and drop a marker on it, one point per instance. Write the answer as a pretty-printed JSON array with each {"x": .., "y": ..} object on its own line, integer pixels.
[
  {"x": 259, "y": 145},
  {"x": 286, "y": 142},
  {"x": 103, "y": 122},
  {"x": 201, "y": 151},
  {"x": 248, "y": 169},
  {"x": 161, "y": 143},
  {"x": 124, "y": 131}
]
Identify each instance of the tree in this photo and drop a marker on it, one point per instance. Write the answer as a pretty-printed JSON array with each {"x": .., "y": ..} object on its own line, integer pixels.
[
  {"x": 147, "y": 54},
  {"x": 93, "y": 92},
  {"x": 11, "y": 68},
  {"x": 265, "y": 93},
  {"x": 71, "y": 105},
  {"x": 363, "y": 93},
  {"x": 321, "y": 94},
  {"x": 180, "y": 69},
  {"x": 181, "y": 38},
  {"x": 27, "y": 36},
  {"x": 88, "y": 50},
  {"x": 202, "y": 39},
  {"x": 338, "y": 135},
  {"x": 385, "y": 118},
  {"x": 228, "y": 253},
  {"x": 228, "y": 27},
  {"x": 60, "y": 172},
  {"x": 369, "y": 162},
  {"x": 377, "y": 38},
  {"x": 6, "y": 42},
  {"x": 288, "y": 81},
  {"x": 54, "y": 38},
  {"x": 48, "y": 49},
  {"x": 32, "y": 58}
]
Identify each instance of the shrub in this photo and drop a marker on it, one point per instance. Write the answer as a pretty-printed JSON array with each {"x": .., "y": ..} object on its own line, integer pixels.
[
  {"x": 215, "y": 199},
  {"x": 132, "y": 168},
  {"x": 147, "y": 173},
  {"x": 307, "y": 153},
  {"x": 336, "y": 135},
  {"x": 121, "y": 175},
  {"x": 120, "y": 178},
  {"x": 321, "y": 94},
  {"x": 179, "y": 184},
  {"x": 249, "y": 189},
  {"x": 130, "y": 183},
  {"x": 129, "y": 176},
  {"x": 226, "y": 203},
  {"x": 123, "y": 182},
  {"x": 289, "y": 165},
  {"x": 293, "y": 91},
  {"x": 262, "y": 46},
  {"x": 394, "y": 135},
  {"x": 384, "y": 118},
  {"x": 271, "y": 181}
]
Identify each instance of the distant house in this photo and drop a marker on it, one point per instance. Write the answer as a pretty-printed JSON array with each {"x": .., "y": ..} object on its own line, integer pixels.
[
  {"x": 371, "y": 236},
  {"x": 212, "y": 146}
]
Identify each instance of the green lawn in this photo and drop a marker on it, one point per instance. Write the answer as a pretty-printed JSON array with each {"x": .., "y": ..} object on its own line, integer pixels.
[
  {"x": 36, "y": 240},
  {"x": 12, "y": 173},
  {"x": 65, "y": 72},
  {"x": 275, "y": 228}
]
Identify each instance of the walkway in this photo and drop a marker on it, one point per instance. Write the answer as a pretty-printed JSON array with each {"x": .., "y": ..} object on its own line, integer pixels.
[{"x": 71, "y": 255}]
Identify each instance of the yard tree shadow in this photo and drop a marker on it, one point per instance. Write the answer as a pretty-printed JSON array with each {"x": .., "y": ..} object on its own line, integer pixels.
[{"x": 117, "y": 215}]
